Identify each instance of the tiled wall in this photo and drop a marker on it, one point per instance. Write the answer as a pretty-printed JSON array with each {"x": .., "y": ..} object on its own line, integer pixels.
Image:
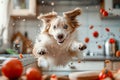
[
  {"x": 90, "y": 16},
  {"x": 32, "y": 27}
]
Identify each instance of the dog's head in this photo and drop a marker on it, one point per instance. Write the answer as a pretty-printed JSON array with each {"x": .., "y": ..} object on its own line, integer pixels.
[{"x": 60, "y": 26}]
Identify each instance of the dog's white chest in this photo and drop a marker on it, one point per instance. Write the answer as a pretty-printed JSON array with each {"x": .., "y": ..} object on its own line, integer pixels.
[{"x": 58, "y": 54}]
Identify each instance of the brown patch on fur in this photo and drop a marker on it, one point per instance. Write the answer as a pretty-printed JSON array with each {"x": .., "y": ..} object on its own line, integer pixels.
[
  {"x": 47, "y": 18},
  {"x": 72, "y": 53},
  {"x": 71, "y": 17}
]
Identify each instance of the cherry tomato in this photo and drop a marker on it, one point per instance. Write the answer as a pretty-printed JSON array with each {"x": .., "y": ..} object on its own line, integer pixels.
[
  {"x": 86, "y": 39},
  {"x": 99, "y": 46},
  {"x": 107, "y": 29},
  {"x": 33, "y": 74},
  {"x": 111, "y": 40},
  {"x": 105, "y": 13},
  {"x": 102, "y": 10},
  {"x": 12, "y": 68},
  {"x": 118, "y": 53},
  {"x": 20, "y": 55},
  {"x": 91, "y": 27},
  {"x": 53, "y": 76},
  {"x": 105, "y": 73},
  {"x": 95, "y": 34}
]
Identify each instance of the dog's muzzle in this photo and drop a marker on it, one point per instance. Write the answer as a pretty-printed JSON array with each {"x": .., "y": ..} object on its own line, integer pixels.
[{"x": 60, "y": 38}]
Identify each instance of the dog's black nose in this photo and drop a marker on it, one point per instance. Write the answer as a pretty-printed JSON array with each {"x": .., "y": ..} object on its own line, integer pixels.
[{"x": 60, "y": 36}]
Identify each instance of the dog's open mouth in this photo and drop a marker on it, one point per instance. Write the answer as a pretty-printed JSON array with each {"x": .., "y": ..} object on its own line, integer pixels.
[{"x": 61, "y": 41}]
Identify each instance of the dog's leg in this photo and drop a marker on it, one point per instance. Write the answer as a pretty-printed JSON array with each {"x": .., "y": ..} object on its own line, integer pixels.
[
  {"x": 77, "y": 46},
  {"x": 39, "y": 50},
  {"x": 42, "y": 63}
]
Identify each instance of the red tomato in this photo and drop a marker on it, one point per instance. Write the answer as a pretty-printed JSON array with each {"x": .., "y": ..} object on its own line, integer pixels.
[
  {"x": 86, "y": 39},
  {"x": 20, "y": 55},
  {"x": 102, "y": 10},
  {"x": 105, "y": 13},
  {"x": 91, "y": 27},
  {"x": 99, "y": 46},
  {"x": 118, "y": 53},
  {"x": 107, "y": 29},
  {"x": 53, "y": 76},
  {"x": 12, "y": 68},
  {"x": 111, "y": 40},
  {"x": 33, "y": 74},
  {"x": 105, "y": 73},
  {"x": 95, "y": 34}
]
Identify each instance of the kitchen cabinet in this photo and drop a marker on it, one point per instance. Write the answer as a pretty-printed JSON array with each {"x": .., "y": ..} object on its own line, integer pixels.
[
  {"x": 112, "y": 7},
  {"x": 23, "y": 7}
]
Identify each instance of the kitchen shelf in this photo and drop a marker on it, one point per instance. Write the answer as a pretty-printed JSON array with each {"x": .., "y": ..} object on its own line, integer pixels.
[{"x": 111, "y": 17}]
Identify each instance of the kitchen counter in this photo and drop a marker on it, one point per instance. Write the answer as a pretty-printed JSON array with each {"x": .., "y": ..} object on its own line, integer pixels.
[
  {"x": 85, "y": 58},
  {"x": 27, "y": 60},
  {"x": 100, "y": 58}
]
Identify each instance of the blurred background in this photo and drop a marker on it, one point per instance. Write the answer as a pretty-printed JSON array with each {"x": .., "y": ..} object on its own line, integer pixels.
[{"x": 19, "y": 21}]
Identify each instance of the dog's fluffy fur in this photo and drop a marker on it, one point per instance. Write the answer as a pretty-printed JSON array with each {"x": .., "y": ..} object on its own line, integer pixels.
[{"x": 57, "y": 44}]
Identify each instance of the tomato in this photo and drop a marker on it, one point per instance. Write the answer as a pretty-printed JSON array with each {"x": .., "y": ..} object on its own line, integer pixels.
[
  {"x": 118, "y": 53},
  {"x": 12, "y": 68},
  {"x": 95, "y": 34},
  {"x": 105, "y": 13},
  {"x": 20, "y": 55},
  {"x": 107, "y": 29},
  {"x": 53, "y": 76},
  {"x": 105, "y": 73},
  {"x": 99, "y": 46},
  {"x": 91, "y": 27},
  {"x": 102, "y": 10},
  {"x": 86, "y": 39},
  {"x": 111, "y": 40},
  {"x": 33, "y": 74}
]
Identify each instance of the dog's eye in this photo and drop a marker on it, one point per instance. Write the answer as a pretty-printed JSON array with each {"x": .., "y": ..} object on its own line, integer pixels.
[
  {"x": 54, "y": 27},
  {"x": 65, "y": 27}
]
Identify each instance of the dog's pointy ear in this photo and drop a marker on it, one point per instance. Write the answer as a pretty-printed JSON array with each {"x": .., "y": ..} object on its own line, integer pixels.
[
  {"x": 47, "y": 17},
  {"x": 71, "y": 16}
]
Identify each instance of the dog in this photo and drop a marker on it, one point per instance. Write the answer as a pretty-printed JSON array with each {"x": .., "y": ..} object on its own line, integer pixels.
[{"x": 57, "y": 43}]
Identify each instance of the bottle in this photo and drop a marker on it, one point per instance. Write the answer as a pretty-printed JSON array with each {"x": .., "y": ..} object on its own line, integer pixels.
[{"x": 110, "y": 46}]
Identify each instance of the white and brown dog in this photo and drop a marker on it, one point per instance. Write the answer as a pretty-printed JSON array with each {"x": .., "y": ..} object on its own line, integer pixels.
[{"x": 57, "y": 44}]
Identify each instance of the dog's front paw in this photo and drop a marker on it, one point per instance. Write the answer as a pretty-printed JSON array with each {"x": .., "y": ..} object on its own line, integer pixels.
[
  {"x": 42, "y": 51},
  {"x": 42, "y": 63},
  {"x": 82, "y": 46}
]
